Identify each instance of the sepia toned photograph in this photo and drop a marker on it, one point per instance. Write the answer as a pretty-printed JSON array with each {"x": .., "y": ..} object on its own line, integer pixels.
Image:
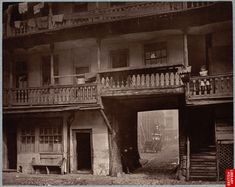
[{"x": 117, "y": 92}]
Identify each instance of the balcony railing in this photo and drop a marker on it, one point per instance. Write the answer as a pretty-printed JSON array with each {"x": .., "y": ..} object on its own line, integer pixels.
[
  {"x": 41, "y": 24},
  {"x": 210, "y": 86},
  {"x": 144, "y": 78},
  {"x": 56, "y": 95}
]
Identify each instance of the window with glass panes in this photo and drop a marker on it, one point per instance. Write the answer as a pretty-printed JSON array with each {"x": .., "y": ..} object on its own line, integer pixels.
[
  {"x": 155, "y": 53},
  {"x": 27, "y": 139},
  {"x": 119, "y": 58},
  {"x": 50, "y": 138}
]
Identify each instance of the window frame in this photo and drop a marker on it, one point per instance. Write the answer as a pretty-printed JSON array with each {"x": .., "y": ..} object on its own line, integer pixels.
[
  {"x": 45, "y": 138},
  {"x": 155, "y": 48},
  {"x": 47, "y": 59},
  {"x": 23, "y": 145},
  {"x": 118, "y": 52}
]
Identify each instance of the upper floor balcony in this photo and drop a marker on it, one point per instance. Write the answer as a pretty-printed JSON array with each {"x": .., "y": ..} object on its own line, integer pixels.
[
  {"x": 53, "y": 22},
  {"x": 210, "y": 89}
]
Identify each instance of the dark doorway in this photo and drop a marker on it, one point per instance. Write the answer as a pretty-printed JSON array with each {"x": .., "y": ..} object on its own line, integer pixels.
[
  {"x": 83, "y": 150},
  {"x": 11, "y": 146}
]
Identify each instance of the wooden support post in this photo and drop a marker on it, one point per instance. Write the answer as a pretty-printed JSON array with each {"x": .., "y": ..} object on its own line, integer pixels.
[
  {"x": 186, "y": 49},
  {"x": 188, "y": 159},
  {"x": 8, "y": 26},
  {"x": 65, "y": 144},
  {"x": 98, "y": 41},
  {"x": 50, "y": 14},
  {"x": 11, "y": 69},
  {"x": 52, "y": 63},
  {"x": 106, "y": 121}
]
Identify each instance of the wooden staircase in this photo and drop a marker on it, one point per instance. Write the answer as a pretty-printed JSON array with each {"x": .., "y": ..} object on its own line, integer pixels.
[{"x": 203, "y": 164}]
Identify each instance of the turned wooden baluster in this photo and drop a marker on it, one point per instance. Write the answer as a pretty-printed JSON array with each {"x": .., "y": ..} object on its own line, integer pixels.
[
  {"x": 199, "y": 87},
  {"x": 147, "y": 80},
  {"x": 162, "y": 81},
  {"x": 194, "y": 87},
  {"x": 102, "y": 81},
  {"x": 122, "y": 83},
  {"x": 222, "y": 86},
  {"x": 152, "y": 80},
  {"x": 111, "y": 82},
  {"x": 107, "y": 82},
  {"x": 167, "y": 79},
  {"x": 128, "y": 81},
  {"x": 118, "y": 83},
  {"x": 228, "y": 85},
  {"x": 133, "y": 80},
  {"x": 138, "y": 81},
  {"x": 211, "y": 86},
  {"x": 142, "y": 79},
  {"x": 157, "y": 78},
  {"x": 177, "y": 79},
  {"x": 172, "y": 79}
]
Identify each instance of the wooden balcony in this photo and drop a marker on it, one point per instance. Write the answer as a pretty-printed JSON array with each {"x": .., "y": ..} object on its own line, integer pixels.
[
  {"x": 56, "y": 95},
  {"x": 211, "y": 87},
  {"x": 131, "y": 10},
  {"x": 141, "y": 81}
]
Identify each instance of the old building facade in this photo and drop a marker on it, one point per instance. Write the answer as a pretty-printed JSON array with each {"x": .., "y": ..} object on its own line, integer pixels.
[{"x": 76, "y": 74}]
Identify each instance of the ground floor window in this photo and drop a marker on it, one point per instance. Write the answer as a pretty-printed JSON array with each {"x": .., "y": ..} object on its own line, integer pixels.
[
  {"x": 27, "y": 139},
  {"x": 50, "y": 138}
]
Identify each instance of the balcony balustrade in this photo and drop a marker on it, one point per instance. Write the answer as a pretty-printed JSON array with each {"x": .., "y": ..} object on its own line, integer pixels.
[
  {"x": 130, "y": 10},
  {"x": 124, "y": 82},
  {"x": 213, "y": 86},
  {"x": 55, "y": 95},
  {"x": 140, "y": 79}
]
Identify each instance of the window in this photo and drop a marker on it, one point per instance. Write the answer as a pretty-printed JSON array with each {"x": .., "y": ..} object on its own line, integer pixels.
[
  {"x": 82, "y": 70},
  {"x": 119, "y": 58},
  {"x": 155, "y": 53},
  {"x": 21, "y": 74},
  {"x": 80, "y": 7},
  {"x": 27, "y": 139},
  {"x": 46, "y": 70},
  {"x": 50, "y": 138}
]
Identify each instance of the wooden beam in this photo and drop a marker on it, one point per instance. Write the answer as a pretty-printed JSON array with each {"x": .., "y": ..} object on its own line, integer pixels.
[
  {"x": 106, "y": 121},
  {"x": 186, "y": 49}
]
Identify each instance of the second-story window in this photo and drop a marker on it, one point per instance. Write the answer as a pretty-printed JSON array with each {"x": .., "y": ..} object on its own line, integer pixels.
[
  {"x": 21, "y": 74},
  {"x": 155, "y": 53},
  {"x": 46, "y": 70},
  {"x": 80, "y": 7},
  {"x": 119, "y": 58}
]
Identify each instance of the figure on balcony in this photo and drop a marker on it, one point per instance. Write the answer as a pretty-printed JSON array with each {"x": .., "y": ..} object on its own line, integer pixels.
[{"x": 204, "y": 83}]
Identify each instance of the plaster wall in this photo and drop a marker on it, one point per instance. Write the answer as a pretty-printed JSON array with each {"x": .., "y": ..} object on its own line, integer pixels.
[{"x": 94, "y": 121}]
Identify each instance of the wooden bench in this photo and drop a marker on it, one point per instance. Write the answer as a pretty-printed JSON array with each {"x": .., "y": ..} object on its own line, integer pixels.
[{"x": 48, "y": 166}]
